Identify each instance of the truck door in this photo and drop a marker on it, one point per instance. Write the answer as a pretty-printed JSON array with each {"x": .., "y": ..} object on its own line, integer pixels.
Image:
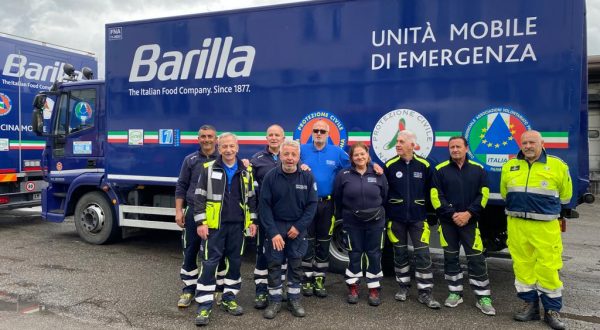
[{"x": 76, "y": 146}]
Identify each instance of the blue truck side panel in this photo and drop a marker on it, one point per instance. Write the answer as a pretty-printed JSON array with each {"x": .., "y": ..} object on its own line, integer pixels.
[
  {"x": 27, "y": 67},
  {"x": 350, "y": 62}
]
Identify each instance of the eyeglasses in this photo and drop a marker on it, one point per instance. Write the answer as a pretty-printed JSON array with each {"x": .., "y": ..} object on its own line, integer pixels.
[{"x": 319, "y": 131}]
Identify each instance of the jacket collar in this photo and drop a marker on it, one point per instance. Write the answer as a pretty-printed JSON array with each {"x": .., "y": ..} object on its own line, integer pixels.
[
  {"x": 543, "y": 156},
  {"x": 219, "y": 163},
  {"x": 369, "y": 170}
]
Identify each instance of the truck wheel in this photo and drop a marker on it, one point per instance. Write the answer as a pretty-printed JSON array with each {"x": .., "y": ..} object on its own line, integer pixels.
[
  {"x": 94, "y": 219},
  {"x": 338, "y": 250}
]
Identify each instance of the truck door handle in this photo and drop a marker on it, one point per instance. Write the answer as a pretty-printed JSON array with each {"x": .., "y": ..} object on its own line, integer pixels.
[{"x": 91, "y": 163}]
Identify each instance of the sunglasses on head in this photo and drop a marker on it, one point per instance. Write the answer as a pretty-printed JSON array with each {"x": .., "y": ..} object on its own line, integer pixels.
[{"x": 322, "y": 131}]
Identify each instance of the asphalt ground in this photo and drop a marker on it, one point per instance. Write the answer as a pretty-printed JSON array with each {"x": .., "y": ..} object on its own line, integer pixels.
[{"x": 51, "y": 279}]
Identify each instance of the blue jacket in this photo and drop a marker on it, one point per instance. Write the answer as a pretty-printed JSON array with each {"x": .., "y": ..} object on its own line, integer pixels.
[
  {"x": 354, "y": 191},
  {"x": 287, "y": 198},
  {"x": 324, "y": 164},
  {"x": 410, "y": 184},
  {"x": 459, "y": 189},
  {"x": 262, "y": 162},
  {"x": 188, "y": 176}
]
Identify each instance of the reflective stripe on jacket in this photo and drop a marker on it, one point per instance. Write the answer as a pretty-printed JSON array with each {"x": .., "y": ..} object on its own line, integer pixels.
[{"x": 536, "y": 191}]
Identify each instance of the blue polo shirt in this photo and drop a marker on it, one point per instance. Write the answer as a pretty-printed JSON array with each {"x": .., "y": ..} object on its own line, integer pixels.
[{"x": 324, "y": 164}]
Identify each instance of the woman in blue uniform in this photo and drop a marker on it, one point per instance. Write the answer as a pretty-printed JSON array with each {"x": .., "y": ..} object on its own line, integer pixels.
[{"x": 359, "y": 194}]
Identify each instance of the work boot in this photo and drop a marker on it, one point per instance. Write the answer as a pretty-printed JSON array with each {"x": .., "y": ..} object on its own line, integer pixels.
[
  {"x": 427, "y": 299},
  {"x": 272, "y": 310},
  {"x": 294, "y": 306},
  {"x": 402, "y": 294},
  {"x": 453, "y": 300},
  {"x": 185, "y": 300},
  {"x": 352, "y": 293},
  {"x": 553, "y": 320},
  {"x": 530, "y": 311},
  {"x": 260, "y": 302},
  {"x": 320, "y": 290},
  {"x": 202, "y": 317},
  {"x": 232, "y": 307},
  {"x": 485, "y": 305},
  {"x": 307, "y": 289},
  {"x": 374, "y": 299}
]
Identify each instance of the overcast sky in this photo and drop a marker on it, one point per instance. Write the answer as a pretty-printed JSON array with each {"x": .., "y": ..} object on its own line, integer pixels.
[{"x": 80, "y": 23}]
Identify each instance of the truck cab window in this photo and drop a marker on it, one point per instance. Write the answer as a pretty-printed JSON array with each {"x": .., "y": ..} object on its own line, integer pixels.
[
  {"x": 60, "y": 125},
  {"x": 82, "y": 105}
]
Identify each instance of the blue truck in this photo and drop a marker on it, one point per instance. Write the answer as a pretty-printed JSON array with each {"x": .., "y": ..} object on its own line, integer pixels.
[
  {"x": 26, "y": 67},
  {"x": 487, "y": 70}
]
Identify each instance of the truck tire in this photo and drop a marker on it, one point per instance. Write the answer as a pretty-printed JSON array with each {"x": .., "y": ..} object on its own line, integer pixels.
[
  {"x": 94, "y": 219},
  {"x": 338, "y": 250}
]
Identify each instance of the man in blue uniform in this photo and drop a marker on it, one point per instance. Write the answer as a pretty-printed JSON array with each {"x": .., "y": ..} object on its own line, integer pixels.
[
  {"x": 184, "y": 217},
  {"x": 409, "y": 177},
  {"x": 459, "y": 194},
  {"x": 536, "y": 187},
  {"x": 262, "y": 162},
  {"x": 288, "y": 202},
  {"x": 324, "y": 160},
  {"x": 225, "y": 208}
]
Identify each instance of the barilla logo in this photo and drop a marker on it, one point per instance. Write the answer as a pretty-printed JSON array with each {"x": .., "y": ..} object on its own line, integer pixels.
[
  {"x": 18, "y": 66},
  {"x": 214, "y": 60}
]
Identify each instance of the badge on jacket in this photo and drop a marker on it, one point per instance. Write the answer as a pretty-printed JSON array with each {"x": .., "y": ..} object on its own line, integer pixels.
[{"x": 515, "y": 168}]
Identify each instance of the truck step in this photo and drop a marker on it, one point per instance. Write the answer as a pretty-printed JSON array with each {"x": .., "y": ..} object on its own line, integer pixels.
[
  {"x": 57, "y": 211},
  {"x": 59, "y": 194}
]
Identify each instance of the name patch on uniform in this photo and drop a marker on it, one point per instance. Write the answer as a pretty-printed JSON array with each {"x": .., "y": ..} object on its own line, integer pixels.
[
  {"x": 372, "y": 180},
  {"x": 418, "y": 175},
  {"x": 301, "y": 186},
  {"x": 330, "y": 162},
  {"x": 217, "y": 175},
  {"x": 515, "y": 168}
]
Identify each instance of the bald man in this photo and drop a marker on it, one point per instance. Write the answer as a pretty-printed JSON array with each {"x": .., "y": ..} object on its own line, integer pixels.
[{"x": 536, "y": 187}]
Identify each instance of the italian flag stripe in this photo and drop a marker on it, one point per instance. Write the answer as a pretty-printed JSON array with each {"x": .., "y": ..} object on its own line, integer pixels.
[
  {"x": 117, "y": 137},
  {"x": 26, "y": 145},
  {"x": 556, "y": 140},
  {"x": 442, "y": 138}
]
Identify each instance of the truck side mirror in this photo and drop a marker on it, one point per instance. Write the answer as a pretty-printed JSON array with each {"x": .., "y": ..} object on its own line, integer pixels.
[
  {"x": 37, "y": 118},
  {"x": 37, "y": 122}
]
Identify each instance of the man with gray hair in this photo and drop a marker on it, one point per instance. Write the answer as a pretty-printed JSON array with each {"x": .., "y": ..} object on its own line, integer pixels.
[
  {"x": 287, "y": 206},
  {"x": 409, "y": 179},
  {"x": 225, "y": 208}
]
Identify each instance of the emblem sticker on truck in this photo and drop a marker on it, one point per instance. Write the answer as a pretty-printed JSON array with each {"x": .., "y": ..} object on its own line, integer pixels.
[
  {"x": 136, "y": 137},
  {"x": 337, "y": 131},
  {"x": 4, "y": 145},
  {"x": 383, "y": 138},
  {"x": 494, "y": 136},
  {"x": 5, "y": 104},
  {"x": 82, "y": 147}
]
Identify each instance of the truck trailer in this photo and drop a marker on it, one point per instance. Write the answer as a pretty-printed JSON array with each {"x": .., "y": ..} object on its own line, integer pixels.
[
  {"x": 28, "y": 66},
  {"x": 485, "y": 70}
]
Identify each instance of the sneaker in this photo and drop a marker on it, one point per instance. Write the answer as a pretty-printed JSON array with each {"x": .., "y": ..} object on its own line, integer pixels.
[
  {"x": 374, "y": 299},
  {"x": 260, "y": 302},
  {"x": 307, "y": 289},
  {"x": 296, "y": 308},
  {"x": 202, "y": 317},
  {"x": 453, "y": 300},
  {"x": 553, "y": 320},
  {"x": 272, "y": 310},
  {"x": 185, "y": 300},
  {"x": 427, "y": 299},
  {"x": 218, "y": 298},
  {"x": 319, "y": 289},
  {"x": 352, "y": 293},
  {"x": 402, "y": 294},
  {"x": 485, "y": 305},
  {"x": 232, "y": 307},
  {"x": 530, "y": 311}
]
